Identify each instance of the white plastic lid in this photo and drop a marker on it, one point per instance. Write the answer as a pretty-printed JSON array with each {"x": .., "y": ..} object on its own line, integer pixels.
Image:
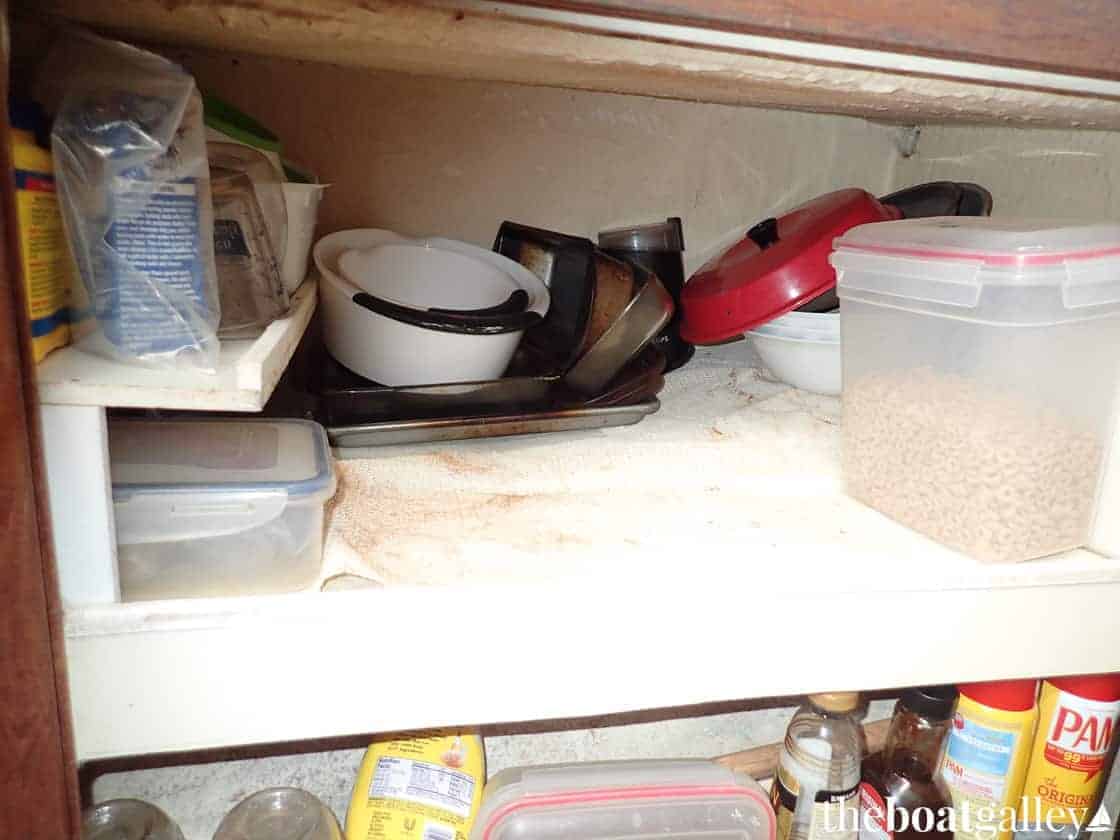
[
  {"x": 992, "y": 241},
  {"x": 220, "y": 456},
  {"x": 625, "y": 799}
]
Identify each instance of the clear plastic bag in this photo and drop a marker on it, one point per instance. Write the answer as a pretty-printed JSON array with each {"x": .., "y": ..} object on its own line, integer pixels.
[{"x": 130, "y": 156}]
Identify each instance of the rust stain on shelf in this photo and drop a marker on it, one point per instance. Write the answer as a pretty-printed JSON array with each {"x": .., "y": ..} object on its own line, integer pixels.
[{"x": 459, "y": 464}]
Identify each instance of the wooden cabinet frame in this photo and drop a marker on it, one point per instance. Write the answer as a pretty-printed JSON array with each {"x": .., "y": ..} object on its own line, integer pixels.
[{"x": 38, "y": 776}]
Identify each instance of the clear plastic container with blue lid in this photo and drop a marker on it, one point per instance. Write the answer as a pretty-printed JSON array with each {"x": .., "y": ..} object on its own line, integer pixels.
[{"x": 208, "y": 508}]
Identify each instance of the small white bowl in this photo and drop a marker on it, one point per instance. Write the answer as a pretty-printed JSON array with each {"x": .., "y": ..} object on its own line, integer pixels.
[
  {"x": 420, "y": 274},
  {"x": 808, "y": 364}
]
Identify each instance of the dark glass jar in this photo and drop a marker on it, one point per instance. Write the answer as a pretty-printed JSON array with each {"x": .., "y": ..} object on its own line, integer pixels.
[{"x": 903, "y": 777}]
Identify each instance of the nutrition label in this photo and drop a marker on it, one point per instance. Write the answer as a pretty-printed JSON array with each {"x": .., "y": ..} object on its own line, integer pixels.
[
  {"x": 423, "y": 783},
  {"x": 156, "y": 268},
  {"x": 976, "y": 767}
]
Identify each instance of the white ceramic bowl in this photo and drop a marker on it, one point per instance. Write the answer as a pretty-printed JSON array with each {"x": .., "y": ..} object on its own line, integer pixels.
[
  {"x": 418, "y": 273},
  {"x": 808, "y": 364}
]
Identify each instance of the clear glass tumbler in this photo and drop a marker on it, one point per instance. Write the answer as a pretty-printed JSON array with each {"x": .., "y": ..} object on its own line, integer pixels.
[{"x": 280, "y": 814}]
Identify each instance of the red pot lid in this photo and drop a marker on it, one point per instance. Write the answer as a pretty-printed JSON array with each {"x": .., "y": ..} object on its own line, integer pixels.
[{"x": 781, "y": 264}]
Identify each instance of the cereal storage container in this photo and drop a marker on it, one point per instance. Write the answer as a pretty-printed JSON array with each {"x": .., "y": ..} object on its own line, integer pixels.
[
  {"x": 980, "y": 365},
  {"x": 218, "y": 507},
  {"x": 635, "y": 800}
]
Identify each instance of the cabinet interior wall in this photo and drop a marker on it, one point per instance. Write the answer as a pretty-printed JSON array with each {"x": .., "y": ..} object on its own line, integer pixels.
[{"x": 456, "y": 157}]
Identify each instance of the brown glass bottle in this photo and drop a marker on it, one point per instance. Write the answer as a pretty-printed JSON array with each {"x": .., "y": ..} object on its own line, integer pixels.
[{"x": 904, "y": 773}]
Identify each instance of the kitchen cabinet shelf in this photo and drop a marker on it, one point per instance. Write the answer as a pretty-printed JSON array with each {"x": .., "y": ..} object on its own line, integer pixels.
[
  {"x": 247, "y": 372},
  {"x": 509, "y": 42},
  {"x": 608, "y": 571},
  {"x": 171, "y": 676}
]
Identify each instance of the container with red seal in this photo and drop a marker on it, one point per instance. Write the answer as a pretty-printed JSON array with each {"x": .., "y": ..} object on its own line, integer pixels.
[
  {"x": 981, "y": 359},
  {"x": 635, "y": 800}
]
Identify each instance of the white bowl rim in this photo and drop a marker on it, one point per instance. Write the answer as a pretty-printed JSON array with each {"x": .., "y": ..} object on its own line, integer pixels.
[
  {"x": 771, "y": 336},
  {"x": 348, "y": 277},
  {"x": 795, "y": 332},
  {"x": 834, "y": 315},
  {"x": 365, "y": 239}
]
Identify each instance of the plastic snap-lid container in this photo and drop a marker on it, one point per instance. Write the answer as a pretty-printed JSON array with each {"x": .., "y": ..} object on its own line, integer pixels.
[
  {"x": 980, "y": 361},
  {"x": 627, "y": 799},
  {"x": 218, "y": 507}
]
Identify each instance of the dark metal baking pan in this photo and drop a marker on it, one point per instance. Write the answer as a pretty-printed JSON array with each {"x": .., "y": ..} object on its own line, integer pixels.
[
  {"x": 565, "y": 265},
  {"x": 345, "y": 398},
  {"x": 641, "y": 380},
  {"x": 390, "y": 433},
  {"x": 658, "y": 248},
  {"x": 643, "y": 318},
  {"x": 434, "y": 401}
]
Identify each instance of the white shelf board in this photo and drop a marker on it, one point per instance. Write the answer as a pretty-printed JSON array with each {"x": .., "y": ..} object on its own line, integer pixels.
[
  {"x": 706, "y": 554},
  {"x": 247, "y": 372},
  {"x": 171, "y": 676}
]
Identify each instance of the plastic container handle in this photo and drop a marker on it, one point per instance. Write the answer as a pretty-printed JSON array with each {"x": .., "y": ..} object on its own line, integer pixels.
[{"x": 508, "y": 316}]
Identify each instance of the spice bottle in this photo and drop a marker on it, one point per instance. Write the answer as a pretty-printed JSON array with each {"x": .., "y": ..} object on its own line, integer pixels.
[
  {"x": 1068, "y": 765},
  {"x": 986, "y": 755},
  {"x": 816, "y": 790},
  {"x": 902, "y": 795}
]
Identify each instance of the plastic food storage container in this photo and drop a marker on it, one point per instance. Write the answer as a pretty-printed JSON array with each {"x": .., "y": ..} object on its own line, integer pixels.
[
  {"x": 218, "y": 507},
  {"x": 980, "y": 367},
  {"x": 636, "y": 800}
]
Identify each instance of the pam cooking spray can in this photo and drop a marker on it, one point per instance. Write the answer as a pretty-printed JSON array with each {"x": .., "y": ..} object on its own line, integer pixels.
[{"x": 1077, "y": 720}]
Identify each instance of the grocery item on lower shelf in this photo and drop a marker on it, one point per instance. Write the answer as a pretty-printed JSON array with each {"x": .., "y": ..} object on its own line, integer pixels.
[
  {"x": 283, "y": 813},
  {"x": 981, "y": 358},
  {"x": 902, "y": 779},
  {"x": 816, "y": 789},
  {"x": 1069, "y": 758},
  {"x": 128, "y": 818},
  {"x": 623, "y": 800},
  {"x": 421, "y": 788},
  {"x": 985, "y": 759},
  {"x": 215, "y": 507}
]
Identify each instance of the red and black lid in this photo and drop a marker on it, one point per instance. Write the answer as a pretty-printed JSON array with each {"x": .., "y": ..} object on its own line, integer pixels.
[{"x": 779, "y": 265}]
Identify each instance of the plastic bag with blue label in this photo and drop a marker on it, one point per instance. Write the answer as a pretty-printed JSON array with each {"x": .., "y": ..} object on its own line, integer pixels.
[{"x": 130, "y": 154}]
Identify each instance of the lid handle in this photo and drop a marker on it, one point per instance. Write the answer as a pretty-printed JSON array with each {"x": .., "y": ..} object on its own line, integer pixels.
[{"x": 764, "y": 234}]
